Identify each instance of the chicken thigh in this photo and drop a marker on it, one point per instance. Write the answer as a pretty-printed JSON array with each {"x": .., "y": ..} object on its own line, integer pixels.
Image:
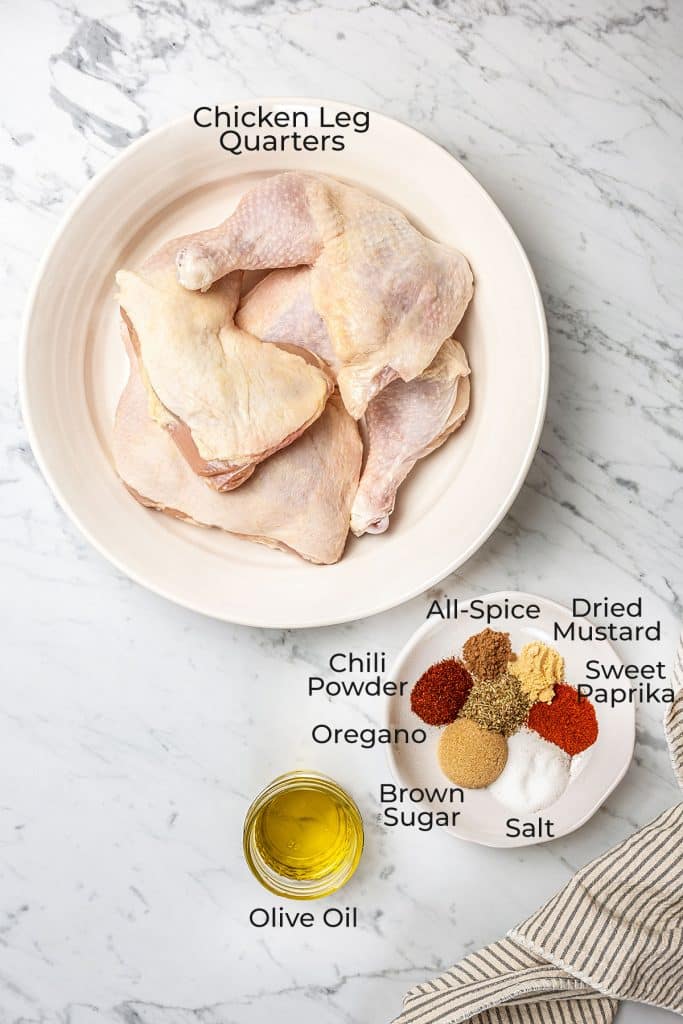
[
  {"x": 404, "y": 422},
  {"x": 299, "y": 500},
  {"x": 388, "y": 296},
  {"x": 227, "y": 400}
]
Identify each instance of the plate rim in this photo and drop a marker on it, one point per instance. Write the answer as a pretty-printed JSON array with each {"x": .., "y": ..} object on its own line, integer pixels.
[
  {"x": 194, "y": 605},
  {"x": 507, "y": 843}
]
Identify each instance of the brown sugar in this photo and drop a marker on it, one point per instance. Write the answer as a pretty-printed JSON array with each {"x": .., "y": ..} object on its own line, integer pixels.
[{"x": 471, "y": 756}]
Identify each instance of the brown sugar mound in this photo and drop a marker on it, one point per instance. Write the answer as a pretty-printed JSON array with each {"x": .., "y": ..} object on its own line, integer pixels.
[{"x": 471, "y": 756}]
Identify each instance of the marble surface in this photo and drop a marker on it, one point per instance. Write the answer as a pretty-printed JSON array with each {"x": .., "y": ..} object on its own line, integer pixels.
[{"x": 132, "y": 733}]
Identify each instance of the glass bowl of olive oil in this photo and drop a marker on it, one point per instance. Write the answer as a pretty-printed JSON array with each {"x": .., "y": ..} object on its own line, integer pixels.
[{"x": 303, "y": 836}]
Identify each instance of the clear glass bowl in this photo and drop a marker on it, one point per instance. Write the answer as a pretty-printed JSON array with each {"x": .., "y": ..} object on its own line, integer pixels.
[{"x": 304, "y": 880}]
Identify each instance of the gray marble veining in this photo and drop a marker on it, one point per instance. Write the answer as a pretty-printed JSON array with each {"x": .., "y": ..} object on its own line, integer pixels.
[{"x": 133, "y": 733}]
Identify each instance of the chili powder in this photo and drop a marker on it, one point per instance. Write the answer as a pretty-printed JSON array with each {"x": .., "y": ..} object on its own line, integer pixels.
[
  {"x": 441, "y": 691},
  {"x": 568, "y": 722}
]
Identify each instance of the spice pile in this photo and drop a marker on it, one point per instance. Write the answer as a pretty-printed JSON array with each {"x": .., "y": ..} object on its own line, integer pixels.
[{"x": 511, "y": 721}]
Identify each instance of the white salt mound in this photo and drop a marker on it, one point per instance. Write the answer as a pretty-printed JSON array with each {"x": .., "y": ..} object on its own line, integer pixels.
[
  {"x": 535, "y": 776},
  {"x": 579, "y": 762}
]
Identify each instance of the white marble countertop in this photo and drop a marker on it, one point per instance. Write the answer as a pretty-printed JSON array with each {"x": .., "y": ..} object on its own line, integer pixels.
[{"x": 133, "y": 734}]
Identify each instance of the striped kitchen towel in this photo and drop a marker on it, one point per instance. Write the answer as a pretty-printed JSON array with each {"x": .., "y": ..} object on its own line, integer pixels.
[{"x": 614, "y": 932}]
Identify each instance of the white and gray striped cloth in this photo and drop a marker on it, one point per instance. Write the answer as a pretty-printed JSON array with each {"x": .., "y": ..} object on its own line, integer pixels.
[{"x": 614, "y": 932}]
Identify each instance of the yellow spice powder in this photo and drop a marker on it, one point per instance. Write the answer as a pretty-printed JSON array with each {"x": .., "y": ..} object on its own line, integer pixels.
[{"x": 538, "y": 668}]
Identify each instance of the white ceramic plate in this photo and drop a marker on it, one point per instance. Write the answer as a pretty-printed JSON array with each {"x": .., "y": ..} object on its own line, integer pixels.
[
  {"x": 178, "y": 179},
  {"x": 483, "y": 818}
]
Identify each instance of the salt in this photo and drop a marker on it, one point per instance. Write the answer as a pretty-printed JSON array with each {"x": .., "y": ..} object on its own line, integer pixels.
[
  {"x": 579, "y": 762},
  {"x": 535, "y": 776}
]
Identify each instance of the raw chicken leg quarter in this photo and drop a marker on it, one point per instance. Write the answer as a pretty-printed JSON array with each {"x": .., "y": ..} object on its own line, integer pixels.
[
  {"x": 227, "y": 400},
  {"x": 388, "y": 296},
  {"x": 299, "y": 500},
  {"x": 404, "y": 422}
]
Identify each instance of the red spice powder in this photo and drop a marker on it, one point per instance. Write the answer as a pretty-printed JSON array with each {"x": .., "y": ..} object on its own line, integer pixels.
[
  {"x": 440, "y": 692},
  {"x": 566, "y": 721}
]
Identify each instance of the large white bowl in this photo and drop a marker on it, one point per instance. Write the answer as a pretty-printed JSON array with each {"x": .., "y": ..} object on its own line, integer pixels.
[
  {"x": 178, "y": 179},
  {"x": 483, "y": 819}
]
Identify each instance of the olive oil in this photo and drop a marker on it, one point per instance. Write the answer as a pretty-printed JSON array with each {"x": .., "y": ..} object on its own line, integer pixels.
[{"x": 303, "y": 836}]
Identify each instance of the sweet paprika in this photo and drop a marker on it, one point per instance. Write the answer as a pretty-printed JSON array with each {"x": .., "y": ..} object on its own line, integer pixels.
[{"x": 568, "y": 721}]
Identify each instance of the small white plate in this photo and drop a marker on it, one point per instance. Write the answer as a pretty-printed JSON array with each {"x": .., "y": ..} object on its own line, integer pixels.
[
  {"x": 483, "y": 818},
  {"x": 178, "y": 179}
]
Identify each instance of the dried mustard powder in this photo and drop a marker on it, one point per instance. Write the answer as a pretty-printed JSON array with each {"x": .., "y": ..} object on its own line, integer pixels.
[{"x": 538, "y": 667}]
